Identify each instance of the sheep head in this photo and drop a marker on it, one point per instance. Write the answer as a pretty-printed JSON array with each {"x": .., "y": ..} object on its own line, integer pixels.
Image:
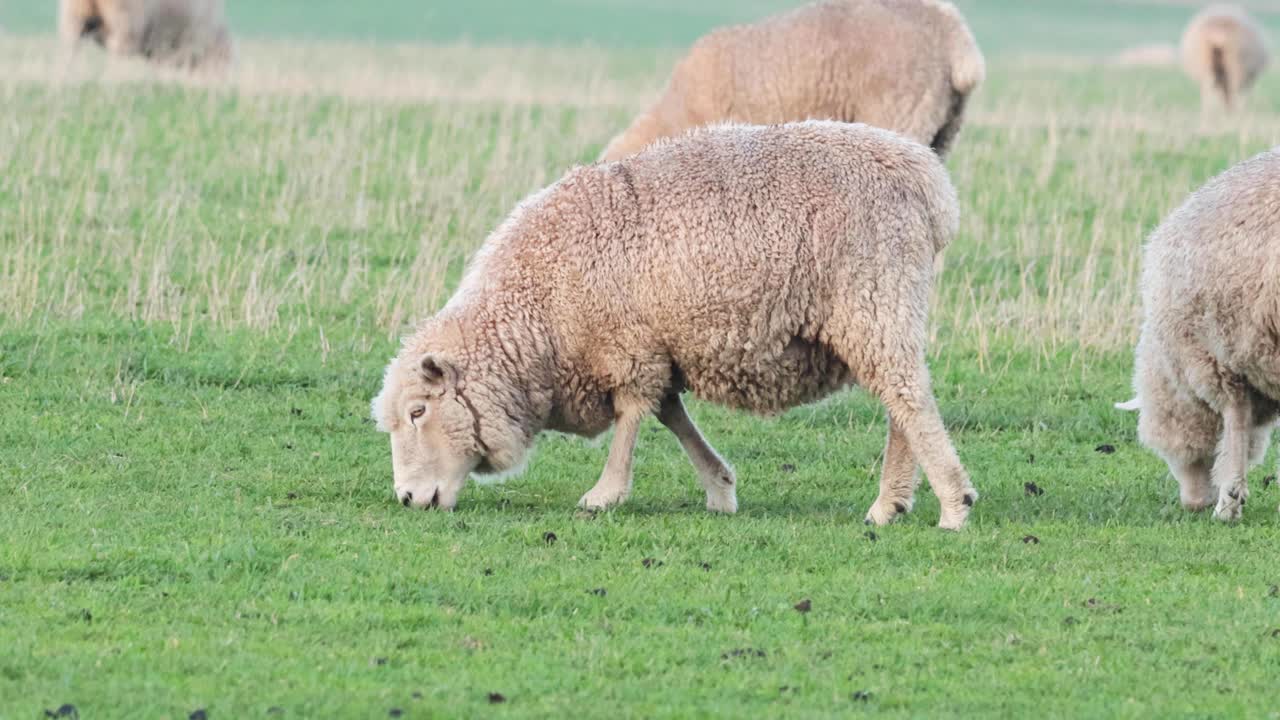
[{"x": 444, "y": 425}]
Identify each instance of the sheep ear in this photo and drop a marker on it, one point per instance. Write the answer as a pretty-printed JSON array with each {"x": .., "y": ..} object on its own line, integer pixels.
[
  {"x": 1134, "y": 404},
  {"x": 436, "y": 371}
]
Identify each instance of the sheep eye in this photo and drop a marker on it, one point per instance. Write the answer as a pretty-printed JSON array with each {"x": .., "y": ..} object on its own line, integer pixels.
[{"x": 417, "y": 413}]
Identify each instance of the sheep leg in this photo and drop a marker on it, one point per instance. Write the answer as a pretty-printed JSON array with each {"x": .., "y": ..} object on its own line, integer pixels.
[
  {"x": 1194, "y": 486},
  {"x": 716, "y": 476},
  {"x": 615, "y": 482},
  {"x": 70, "y": 26},
  {"x": 1232, "y": 465},
  {"x": 916, "y": 410},
  {"x": 898, "y": 479},
  {"x": 1259, "y": 443},
  {"x": 1210, "y": 101},
  {"x": 123, "y": 21}
]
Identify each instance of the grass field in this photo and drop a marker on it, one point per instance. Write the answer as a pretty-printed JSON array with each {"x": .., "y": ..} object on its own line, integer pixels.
[{"x": 200, "y": 284}]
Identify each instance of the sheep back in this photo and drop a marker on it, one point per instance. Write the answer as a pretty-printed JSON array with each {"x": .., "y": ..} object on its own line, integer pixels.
[
  {"x": 761, "y": 267},
  {"x": 903, "y": 65},
  {"x": 1224, "y": 50},
  {"x": 1211, "y": 296}
]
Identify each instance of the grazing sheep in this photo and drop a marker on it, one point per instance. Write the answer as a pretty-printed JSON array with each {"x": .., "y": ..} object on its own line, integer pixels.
[
  {"x": 1224, "y": 51},
  {"x": 903, "y": 65},
  {"x": 758, "y": 267},
  {"x": 1207, "y": 375},
  {"x": 179, "y": 33}
]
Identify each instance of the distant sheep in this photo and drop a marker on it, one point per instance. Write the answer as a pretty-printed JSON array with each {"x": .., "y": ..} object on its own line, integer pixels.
[
  {"x": 1147, "y": 56},
  {"x": 180, "y": 33},
  {"x": 1208, "y": 361},
  {"x": 1224, "y": 51},
  {"x": 758, "y": 267},
  {"x": 903, "y": 65}
]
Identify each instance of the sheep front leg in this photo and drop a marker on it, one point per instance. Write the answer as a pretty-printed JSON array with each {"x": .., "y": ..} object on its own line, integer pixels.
[
  {"x": 898, "y": 479},
  {"x": 716, "y": 476},
  {"x": 1232, "y": 465},
  {"x": 615, "y": 482}
]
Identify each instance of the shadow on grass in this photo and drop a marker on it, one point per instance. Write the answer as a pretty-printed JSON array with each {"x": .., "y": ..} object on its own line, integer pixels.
[{"x": 997, "y": 508}]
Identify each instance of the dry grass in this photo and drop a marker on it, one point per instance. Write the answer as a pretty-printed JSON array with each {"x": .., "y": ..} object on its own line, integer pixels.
[
  {"x": 582, "y": 77},
  {"x": 342, "y": 186}
]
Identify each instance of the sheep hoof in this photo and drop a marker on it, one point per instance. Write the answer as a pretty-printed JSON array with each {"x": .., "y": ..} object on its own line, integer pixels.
[
  {"x": 1229, "y": 508},
  {"x": 723, "y": 502},
  {"x": 721, "y": 486},
  {"x": 601, "y": 499},
  {"x": 883, "y": 512},
  {"x": 954, "y": 518},
  {"x": 1227, "y": 515}
]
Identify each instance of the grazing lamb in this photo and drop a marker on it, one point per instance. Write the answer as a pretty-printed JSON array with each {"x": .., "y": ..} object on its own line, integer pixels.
[
  {"x": 1207, "y": 375},
  {"x": 1224, "y": 51},
  {"x": 758, "y": 267},
  {"x": 180, "y": 33},
  {"x": 903, "y": 65}
]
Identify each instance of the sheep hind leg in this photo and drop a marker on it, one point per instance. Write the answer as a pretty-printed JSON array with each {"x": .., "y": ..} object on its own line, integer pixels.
[
  {"x": 1232, "y": 464},
  {"x": 124, "y": 21},
  {"x": 1260, "y": 440},
  {"x": 615, "y": 482},
  {"x": 1211, "y": 103},
  {"x": 909, "y": 399},
  {"x": 71, "y": 25},
  {"x": 898, "y": 479},
  {"x": 714, "y": 474}
]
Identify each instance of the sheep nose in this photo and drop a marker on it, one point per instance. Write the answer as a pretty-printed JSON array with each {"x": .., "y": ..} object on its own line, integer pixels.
[{"x": 406, "y": 499}]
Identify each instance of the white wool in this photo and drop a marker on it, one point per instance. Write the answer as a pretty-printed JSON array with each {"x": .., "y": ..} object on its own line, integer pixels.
[{"x": 377, "y": 407}]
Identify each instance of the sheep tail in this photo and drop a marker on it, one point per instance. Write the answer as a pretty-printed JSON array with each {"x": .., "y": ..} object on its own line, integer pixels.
[
  {"x": 940, "y": 203},
  {"x": 968, "y": 68}
]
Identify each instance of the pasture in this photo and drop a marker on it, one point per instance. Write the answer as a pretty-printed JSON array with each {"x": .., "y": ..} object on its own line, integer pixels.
[{"x": 200, "y": 284}]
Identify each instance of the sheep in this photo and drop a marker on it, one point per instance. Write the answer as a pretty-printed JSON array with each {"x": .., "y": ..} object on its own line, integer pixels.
[
  {"x": 179, "y": 33},
  {"x": 1223, "y": 51},
  {"x": 903, "y": 65},
  {"x": 1207, "y": 371},
  {"x": 1158, "y": 55},
  {"x": 759, "y": 267}
]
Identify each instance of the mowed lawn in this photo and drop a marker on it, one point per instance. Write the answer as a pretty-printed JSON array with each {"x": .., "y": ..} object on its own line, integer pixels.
[{"x": 200, "y": 285}]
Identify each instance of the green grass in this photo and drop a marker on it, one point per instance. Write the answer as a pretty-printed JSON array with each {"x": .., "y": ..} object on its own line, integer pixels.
[
  {"x": 199, "y": 287},
  {"x": 1002, "y": 26},
  {"x": 212, "y": 528}
]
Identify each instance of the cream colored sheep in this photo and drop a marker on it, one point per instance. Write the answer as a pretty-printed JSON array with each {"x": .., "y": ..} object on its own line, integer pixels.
[
  {"x": 1158, "y": 55},
  {"x": 180, "y": 33},
  {"x": 758, "y": 267},
  {"x": 1224, "y": 51},
  {"x": 903, "y": 65},
  {"x": 113, "y": 24},
  {"x": 1208, "y": 361}
]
